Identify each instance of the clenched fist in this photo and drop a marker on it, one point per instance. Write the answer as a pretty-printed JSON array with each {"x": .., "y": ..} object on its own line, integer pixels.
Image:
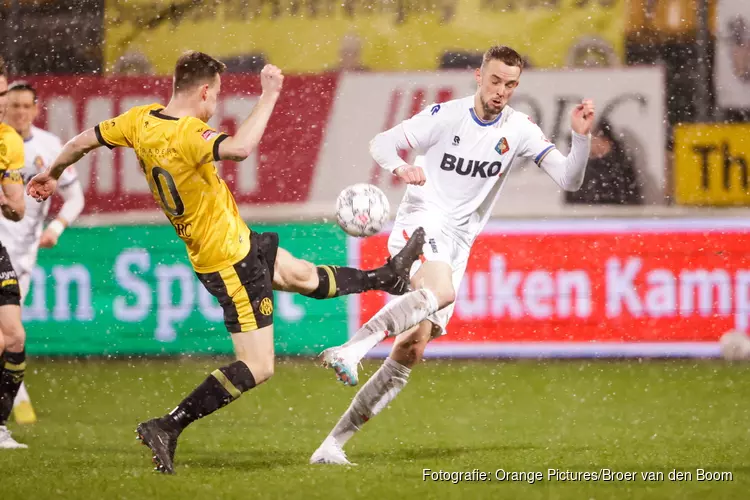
[
  {"x": 411, "y": 174},
  {"x": 271, "y": 79},
  {"x": 582, "y": 118},
  {"x": 49, "y": 238}
]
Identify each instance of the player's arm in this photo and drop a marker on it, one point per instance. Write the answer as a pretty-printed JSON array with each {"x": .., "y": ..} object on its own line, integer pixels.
[
  {"x": 12, "y": 204},
  {"x": 242, "y": 144},
  {"x": 419, "y": 132},
  {"x": 42, "y": 185},
  {"x": 567, "y": 171},
  {"x": 74, "y": 150},
  {"x": 111, "y": 133},
  {"x": 11, "y": 201},
  {"x": 73, "y": 202}
]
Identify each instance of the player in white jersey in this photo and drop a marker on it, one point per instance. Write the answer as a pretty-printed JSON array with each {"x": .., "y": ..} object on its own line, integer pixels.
[
  {"x": 22, "y": 239},
  {"x": 468, "y": 148}
]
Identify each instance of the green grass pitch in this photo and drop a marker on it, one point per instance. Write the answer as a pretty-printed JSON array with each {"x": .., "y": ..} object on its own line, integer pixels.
[{"x": 625, "y": 416}]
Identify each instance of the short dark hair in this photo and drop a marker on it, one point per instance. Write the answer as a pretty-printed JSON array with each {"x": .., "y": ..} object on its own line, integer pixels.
[
  {"x": 3, "y": 68},
  {"x": 21, "y": 86},
  {"x": 503, "y": 53},
  {"x": 195, "y": 68}
]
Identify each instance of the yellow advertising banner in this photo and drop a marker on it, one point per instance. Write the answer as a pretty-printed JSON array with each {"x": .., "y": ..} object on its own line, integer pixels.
[
  {"x": 304, "y": 36},
  {"x": 711, "y": 164}
]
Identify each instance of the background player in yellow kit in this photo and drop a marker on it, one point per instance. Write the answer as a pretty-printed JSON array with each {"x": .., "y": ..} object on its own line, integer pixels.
[
  {"x": 12, "y": 207},
  {"x": 176, "y": 150}
]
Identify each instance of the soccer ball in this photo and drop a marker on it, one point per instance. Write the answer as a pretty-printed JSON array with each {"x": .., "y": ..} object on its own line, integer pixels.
[
  {"x": 735, "y": 346},
  {"x": 362, "y": 210}
]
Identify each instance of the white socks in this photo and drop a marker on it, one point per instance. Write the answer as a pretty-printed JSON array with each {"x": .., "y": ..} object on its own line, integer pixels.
[
  {"x": 394, "y": 318},
  {"x": 375, "y": 395}
]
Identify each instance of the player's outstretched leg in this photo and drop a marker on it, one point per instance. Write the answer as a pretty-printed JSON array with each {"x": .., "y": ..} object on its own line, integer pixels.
[
  {"x": 393, "y": 277},
  {"x": 23, "y": 411},
  {"x": 376, "y": 394},
  {"x": 324, "y": 282},
  {"x": 254, "y": 366}
]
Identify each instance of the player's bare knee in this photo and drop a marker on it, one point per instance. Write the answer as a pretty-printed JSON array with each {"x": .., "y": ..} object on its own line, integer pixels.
[
  {"x": 444, "y": 294},
  {"x": 14, "y": 338},
  {"x": 255, "y": 349},
  {"x": 305, "y": 275},
  {"x": 296, "y": 276},
  {"x": 436, "y": 277},
  {"x": 447, "y": 296},
  {"x": 408, "y": 353},
  {"x": 409, "y": 347}
]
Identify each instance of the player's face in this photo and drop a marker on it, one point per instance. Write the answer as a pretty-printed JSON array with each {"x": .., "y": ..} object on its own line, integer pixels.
[
  {"x": 496, "y": 83},
  {"x": 209, "y": 98},
  {"x": 22, "y": 110},
  {"x": 3, "y": 96}
]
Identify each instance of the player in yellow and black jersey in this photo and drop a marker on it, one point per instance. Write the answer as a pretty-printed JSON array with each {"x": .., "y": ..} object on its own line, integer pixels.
[
  {"x": 12, "y": 207},
  {"x": 177, "y": 151},
  {"x": 177, "y": 156}
]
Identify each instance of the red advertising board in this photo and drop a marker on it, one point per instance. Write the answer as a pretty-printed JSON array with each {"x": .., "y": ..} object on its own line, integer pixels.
[
  {"x": 280, "y": 171},
  {"x": 593, "y": 288}
]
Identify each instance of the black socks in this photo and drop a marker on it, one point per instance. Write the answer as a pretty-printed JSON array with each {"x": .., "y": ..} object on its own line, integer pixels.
[
  {"x": 218, "y": 390},
  {"x": 335, "y": 281},
  {"x": 11, "y": 377}
]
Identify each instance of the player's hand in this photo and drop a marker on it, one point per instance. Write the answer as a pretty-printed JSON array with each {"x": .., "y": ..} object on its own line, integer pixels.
[
  {"x": 411, "y": 174},
  {"x": 49, "y": 238},
  {"x": 583, "y": 117},
  {"x": 271, "y": 79},
  {"x": 41, "y": 186}
]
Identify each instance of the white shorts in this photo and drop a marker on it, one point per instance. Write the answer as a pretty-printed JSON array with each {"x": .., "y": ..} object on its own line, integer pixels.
[{"x": 439, "y": 246}]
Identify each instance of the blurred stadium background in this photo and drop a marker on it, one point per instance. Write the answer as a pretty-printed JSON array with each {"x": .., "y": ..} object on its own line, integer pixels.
[{"x": 650, "y": 259}]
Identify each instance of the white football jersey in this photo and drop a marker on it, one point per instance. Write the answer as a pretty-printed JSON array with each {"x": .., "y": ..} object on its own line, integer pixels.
[
  {"x": 466, "y": 161},
  {"x": 22, "y": 237}
]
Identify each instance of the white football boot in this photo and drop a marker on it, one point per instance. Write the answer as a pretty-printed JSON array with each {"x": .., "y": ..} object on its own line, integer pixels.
[
  {"x": 330, "y": 452},
  {"x": 7, "y": 442}
]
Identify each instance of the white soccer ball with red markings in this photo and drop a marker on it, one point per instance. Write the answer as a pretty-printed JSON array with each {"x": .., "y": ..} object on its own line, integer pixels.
[{"x": 362, "y": 210}]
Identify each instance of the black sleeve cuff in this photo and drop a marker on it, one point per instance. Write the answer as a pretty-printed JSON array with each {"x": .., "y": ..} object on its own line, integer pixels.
[
  {"x": 218, "y": 141},
  {"x": 101, "y": 139}
]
